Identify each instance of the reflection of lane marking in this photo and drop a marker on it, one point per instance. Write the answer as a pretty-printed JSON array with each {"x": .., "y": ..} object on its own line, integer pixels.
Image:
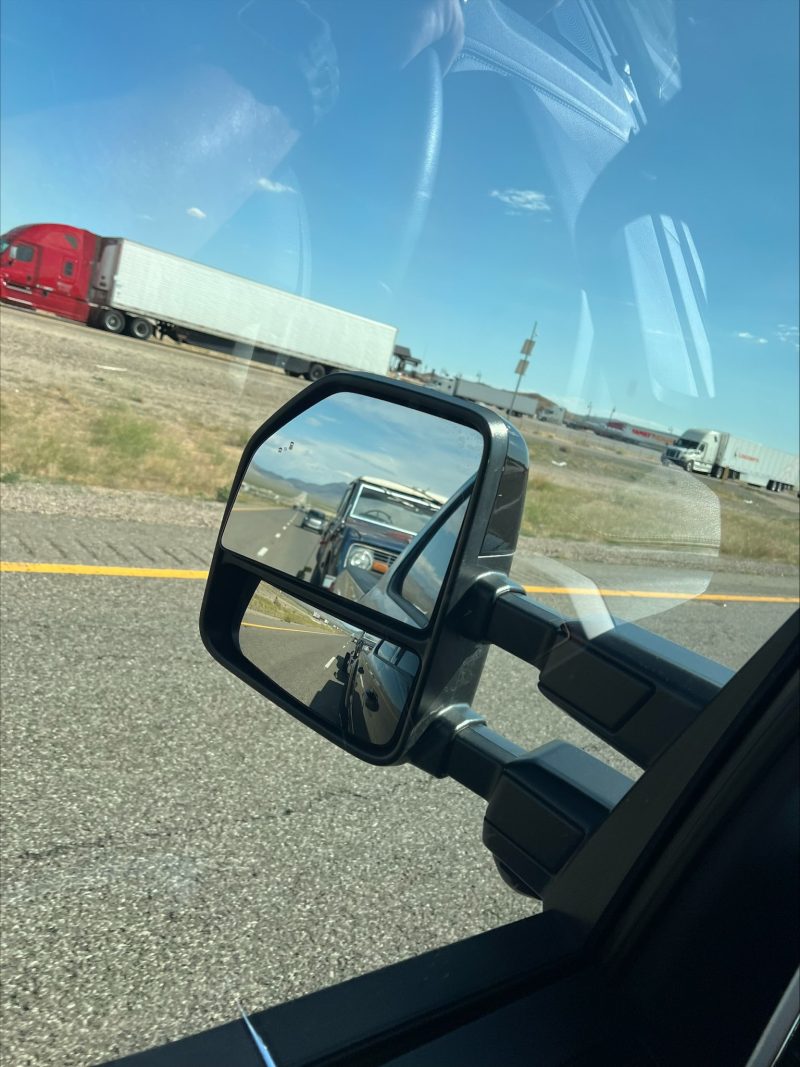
[
  {"x": 330, "y": 661},
  {"x": 654, "y": 594},
  {"x": 287, "y": 629},
  {"x": 8, "y": 567},
  {"x": 262, "y": 552}
]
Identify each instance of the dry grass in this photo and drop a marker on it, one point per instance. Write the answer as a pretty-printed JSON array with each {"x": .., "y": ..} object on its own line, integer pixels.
[
  {"x": 276, "y": 605},
  {"x": 747, "y": 524},
  {"x": 175, "y": 429},
  {"x": 61, "y": 438}
]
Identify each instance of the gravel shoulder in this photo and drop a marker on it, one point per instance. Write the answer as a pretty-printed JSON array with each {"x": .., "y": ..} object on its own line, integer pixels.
[{"x": 163, "y": 509}]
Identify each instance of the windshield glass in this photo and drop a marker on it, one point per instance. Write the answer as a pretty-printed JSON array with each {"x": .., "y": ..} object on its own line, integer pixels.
[
  {"x": 582, "y": 215},
  {"x": 687, "y": 442},
  {"x": 392, "y": 510}
]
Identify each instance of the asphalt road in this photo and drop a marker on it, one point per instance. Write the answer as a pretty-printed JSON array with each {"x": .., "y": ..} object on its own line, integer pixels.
[
  {"x": 274, "y": 535},
  {"x": 301, "y": 661},
  {"x": 172, "y": 841}
]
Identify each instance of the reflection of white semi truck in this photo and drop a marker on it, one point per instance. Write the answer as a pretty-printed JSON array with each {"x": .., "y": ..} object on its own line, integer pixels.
[
  {"x": 723, "y": 455},
  {"x": 481, "y": 393}
]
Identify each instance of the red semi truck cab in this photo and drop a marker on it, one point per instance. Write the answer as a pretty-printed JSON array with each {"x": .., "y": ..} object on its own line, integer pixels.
[{"x": 49, "y": 267}]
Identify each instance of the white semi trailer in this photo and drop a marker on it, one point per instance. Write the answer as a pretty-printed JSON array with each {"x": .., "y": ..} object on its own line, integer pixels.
[
  {"x": 481, "y": 393},
  {"x": 724, "y": 455}
]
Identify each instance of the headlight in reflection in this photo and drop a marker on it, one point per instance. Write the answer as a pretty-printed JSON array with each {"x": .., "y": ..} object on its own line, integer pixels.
[{"x": 360, "y": 557}]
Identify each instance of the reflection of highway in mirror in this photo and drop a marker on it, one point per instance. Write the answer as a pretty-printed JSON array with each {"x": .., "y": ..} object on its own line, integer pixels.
[
  {"x": 323, "y": 493},
  {"x": 350, "y": 680},
  {"x": 286, "y": 538}
]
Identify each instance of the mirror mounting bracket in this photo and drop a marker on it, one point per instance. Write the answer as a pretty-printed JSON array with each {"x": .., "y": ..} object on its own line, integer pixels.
[
  {"x": 477, "y": 607},
  {"x": 432, "y": 737}
]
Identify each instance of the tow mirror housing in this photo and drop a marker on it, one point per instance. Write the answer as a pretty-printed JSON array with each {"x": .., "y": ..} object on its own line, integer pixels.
[{"x": 360, "y": 518}]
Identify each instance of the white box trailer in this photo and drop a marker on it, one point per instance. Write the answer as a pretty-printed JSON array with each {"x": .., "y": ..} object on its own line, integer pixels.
[
  {"x": 724, "y": 455},
  {"x": 203, "y": 305},
  {"x": 481, "y": 393}
]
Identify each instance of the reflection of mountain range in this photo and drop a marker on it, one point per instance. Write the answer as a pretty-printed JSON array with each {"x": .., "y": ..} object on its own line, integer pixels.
[{"x": 329, "y": 494}]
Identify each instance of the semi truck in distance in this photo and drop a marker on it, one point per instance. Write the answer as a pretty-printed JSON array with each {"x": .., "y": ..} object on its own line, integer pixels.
[
  {"x": 635, "y": 435},
  {"x": 122, "y": 286},
  {"x": 724, "y": 455},
  {"x": 481, "y": 393}
]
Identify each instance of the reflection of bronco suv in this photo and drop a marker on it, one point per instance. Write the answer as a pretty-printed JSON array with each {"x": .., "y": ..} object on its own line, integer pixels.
[{"x": 374, "y": 522}]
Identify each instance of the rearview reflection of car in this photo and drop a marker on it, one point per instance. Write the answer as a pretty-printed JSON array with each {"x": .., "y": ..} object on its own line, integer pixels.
[
  {"x": 379, "y": 678},
  {"x": 313, "y": 520},
  {"x": 374, "y": 522}
]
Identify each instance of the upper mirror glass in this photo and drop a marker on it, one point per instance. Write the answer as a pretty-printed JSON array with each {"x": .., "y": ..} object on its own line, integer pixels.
[{"x": 328, "y": 500}]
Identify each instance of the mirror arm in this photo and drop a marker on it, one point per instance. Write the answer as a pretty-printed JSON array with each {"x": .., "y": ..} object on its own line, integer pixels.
[
  {"x": 542, "y": 805},
  {"x": 458, "y": 744},
  {"x": 633, "y": 689},
  {"x": 524, "y": 628}
]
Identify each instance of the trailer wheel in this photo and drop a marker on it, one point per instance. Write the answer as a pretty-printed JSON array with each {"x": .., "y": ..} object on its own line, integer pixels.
[
  {"x": 140, "y": 328},
  {"x": 112, "y": 320},
  {"x": 315, "y": 372}
]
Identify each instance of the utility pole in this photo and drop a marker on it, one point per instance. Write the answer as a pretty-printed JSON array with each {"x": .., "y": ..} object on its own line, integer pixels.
[{"x": 522, "y": 364}]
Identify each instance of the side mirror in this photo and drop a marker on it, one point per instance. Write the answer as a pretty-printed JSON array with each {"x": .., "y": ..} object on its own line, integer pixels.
[{"x": 364, "y": 633}]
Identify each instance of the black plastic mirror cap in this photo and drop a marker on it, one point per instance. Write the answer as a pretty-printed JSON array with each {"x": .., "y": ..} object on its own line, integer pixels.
[
  {"x": 450, "y": 662},
  {"x": 542, "y": 809}
]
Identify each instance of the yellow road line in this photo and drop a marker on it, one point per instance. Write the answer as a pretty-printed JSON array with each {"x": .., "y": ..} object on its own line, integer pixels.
[
  {"x": 551, "y": 590},
  {"x": 112, "y": 572},
  {"x": 289, "y": 629},
  {"x": 659, "y": 594}
]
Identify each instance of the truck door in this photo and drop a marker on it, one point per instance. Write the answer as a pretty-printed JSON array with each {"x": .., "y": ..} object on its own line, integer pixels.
[
  {"x": 21, "y": 268},
  {"x": 58, "y": 284},
  {"x": 65, "y": 297}
]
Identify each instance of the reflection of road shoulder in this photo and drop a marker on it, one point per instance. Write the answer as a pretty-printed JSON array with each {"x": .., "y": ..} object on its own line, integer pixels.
[{"x": 255, "y": 619}]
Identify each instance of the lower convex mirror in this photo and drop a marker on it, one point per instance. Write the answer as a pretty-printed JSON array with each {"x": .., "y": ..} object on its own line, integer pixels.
[
  {"x": 351, "y": 681},
  {"x": 347, "y": 485}
]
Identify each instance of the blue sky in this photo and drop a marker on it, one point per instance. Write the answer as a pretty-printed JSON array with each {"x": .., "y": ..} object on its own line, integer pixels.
[
  {"x": 200, "y": 140},
  {"x": 345, "y": 437}
]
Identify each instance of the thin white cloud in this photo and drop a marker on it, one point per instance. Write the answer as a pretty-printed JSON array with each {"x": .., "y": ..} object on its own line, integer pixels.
[
  {"x": 745, "y": 335},
  {"x": 521, "y": 199},
  {"x": 788, "y": 334},
  {"x": 195, "y": 213},
  {"x": 270, "y": 186}
]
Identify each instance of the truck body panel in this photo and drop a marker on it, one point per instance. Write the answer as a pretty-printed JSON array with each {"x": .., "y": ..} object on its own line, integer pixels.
[
  {"x": 635, "y": 435},
  {"x": 481, "y": 393},
  {"x": 159, "y": 285},
  {"x": 552, "y": 414},
  {"x": 727, "y": 455},
  {"x": 46, "y": 266},
  {"x": 78, "y": 275}
]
